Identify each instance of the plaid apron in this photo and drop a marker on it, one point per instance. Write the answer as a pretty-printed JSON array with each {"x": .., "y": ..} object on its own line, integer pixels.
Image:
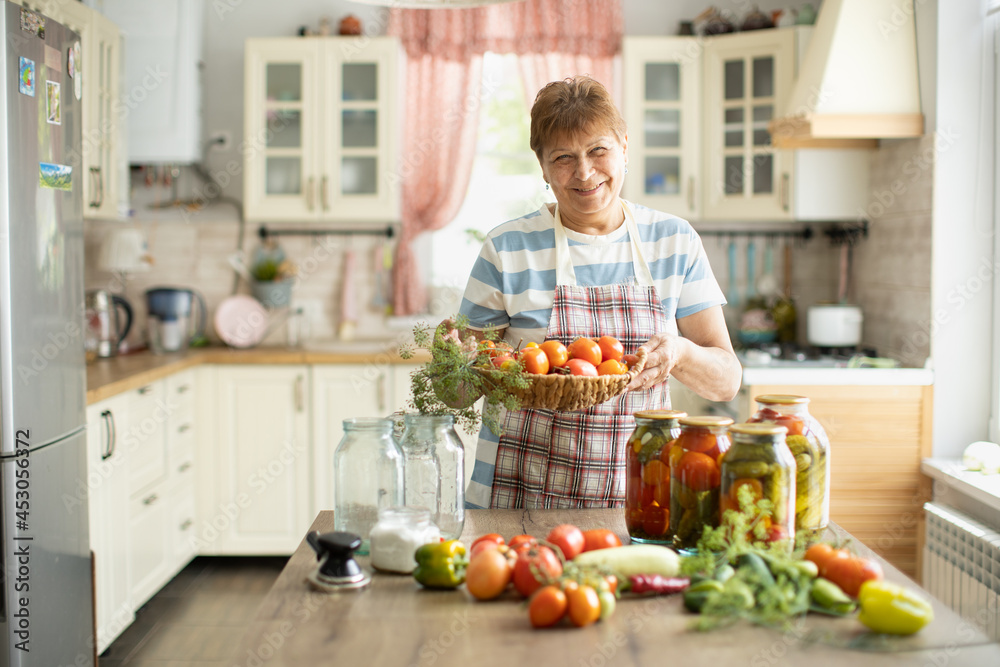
[{"x": 577, "y": 459}]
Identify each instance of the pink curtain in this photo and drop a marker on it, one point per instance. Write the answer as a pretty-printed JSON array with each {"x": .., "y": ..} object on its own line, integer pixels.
[{"x": 444, "y": 50}]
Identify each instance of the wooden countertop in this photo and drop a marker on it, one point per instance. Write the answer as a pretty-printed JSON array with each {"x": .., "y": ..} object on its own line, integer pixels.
[
  {"x": 108, "y": 377},
  {"x": 395, "y": 622}
]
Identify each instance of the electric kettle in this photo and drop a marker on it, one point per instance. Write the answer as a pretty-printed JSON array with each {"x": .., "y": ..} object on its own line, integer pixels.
[
  {"x": 171, "y": 324},
  {"x": 105, "y": 329}
]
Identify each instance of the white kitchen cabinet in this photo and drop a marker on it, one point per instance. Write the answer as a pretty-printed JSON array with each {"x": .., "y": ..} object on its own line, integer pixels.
[
  {"x": 320, "y": 129},
  {"x": 107, "y": 497},
  {"x": 103, "y": 149},
  {"x": 181, "y": 390},
  {"x": 339, "y": 392},
  {"x": 259, "y": 499},
  {"x": 663, "y": 92},
  {"x": 731, "y": 172}
]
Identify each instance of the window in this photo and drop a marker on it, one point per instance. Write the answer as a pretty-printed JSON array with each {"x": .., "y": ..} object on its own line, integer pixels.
[{"x": 506, "y": 180}]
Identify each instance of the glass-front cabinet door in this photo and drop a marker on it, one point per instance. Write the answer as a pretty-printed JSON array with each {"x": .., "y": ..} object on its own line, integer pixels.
[
  {"x": 748, "y": 78},
  {"x": 360, "y": 179},
  {"x": 282, "y": 134},
  {"x": 662, "y": 93}
]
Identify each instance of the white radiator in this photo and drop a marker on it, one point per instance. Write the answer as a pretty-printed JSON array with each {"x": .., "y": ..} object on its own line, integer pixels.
[{"x": 962, "y": 566}]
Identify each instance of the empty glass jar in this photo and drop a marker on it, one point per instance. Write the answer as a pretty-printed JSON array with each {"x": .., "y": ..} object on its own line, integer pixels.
[
  {"x": 434, "y": 464},
  {"x": 368, "y": 476}
]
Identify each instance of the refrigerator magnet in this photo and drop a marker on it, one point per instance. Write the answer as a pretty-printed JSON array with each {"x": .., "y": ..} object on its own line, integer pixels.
[
  {"x": 26, "y": 81},
  {"x": 71, "y": 59},
  {"x": 33, "y": 23},
  {"x": 55, "y": 176},
  {"x": 53, "y": 103}
]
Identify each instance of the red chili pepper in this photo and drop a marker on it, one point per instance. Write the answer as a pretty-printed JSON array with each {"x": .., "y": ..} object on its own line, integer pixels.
[{"x": 657, "y": 584}]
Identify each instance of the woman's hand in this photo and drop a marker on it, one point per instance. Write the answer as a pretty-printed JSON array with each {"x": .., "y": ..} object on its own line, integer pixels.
[{"x": 663, "y": 352}]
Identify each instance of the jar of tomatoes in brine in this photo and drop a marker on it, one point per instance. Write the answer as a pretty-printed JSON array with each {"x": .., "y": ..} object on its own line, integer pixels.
[
  {"x": 695, "y": 477},
  {"x": 758, "y": 466},
  {"x": 810, "y": 447},
  {"x": 647, "y": 484}
]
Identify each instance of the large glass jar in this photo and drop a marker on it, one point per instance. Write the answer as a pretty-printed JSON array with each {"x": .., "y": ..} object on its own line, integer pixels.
[
  {"x": 759, "y": 461},
  {"x": 647, "y": 481},
  {"x": 434, "y": 465},
  {"x": 368, "y": 476},
  {"x": 810, "y": 447},
  {"x": 695, "y": 477}
]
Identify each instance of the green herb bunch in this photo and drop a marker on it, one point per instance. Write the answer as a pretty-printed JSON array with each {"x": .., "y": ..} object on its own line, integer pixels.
[
  {"x": 453, "y": 380},
  {"x": 758, "y": 581}
]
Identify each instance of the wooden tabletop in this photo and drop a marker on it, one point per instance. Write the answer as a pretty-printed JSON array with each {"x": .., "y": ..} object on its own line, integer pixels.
[{"x": 396, "y": 622}]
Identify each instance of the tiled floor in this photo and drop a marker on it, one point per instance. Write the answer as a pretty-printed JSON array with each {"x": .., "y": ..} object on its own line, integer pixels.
[{"x": 198, "y": 618}]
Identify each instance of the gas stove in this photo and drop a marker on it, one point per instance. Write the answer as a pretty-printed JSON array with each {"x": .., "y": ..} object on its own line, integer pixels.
[{"x": 792, "y": 355}]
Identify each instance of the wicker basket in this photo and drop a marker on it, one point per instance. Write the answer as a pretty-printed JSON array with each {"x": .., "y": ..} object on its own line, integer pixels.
[{"x": 569, "y": 393}]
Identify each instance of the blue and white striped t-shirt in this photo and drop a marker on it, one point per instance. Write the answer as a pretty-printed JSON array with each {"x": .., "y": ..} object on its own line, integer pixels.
[{"x": 513, "y": 281}]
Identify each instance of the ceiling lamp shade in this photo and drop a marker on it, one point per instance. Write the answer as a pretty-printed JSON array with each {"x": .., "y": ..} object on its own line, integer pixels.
[{"x": 434, "y": 4}]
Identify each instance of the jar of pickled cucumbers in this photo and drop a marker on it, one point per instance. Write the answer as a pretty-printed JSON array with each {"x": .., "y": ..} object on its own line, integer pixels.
[
  {"x": 760, "y": 462},
  {"x": 809, "y": 445},
  {"x": 695, "y": 477},
  {"x": 647, "y": 482}
]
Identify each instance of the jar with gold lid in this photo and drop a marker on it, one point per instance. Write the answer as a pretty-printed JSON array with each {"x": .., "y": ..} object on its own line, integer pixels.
[
  {"x": 760, "y": 462},
  {"x": 808, "y": 443},
  {"x": 647, "y": 482},
  {"x": 695, "y": 477}
]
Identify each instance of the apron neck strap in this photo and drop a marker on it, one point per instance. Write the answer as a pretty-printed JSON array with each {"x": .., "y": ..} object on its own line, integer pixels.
[{"x": 566, "y": 274}]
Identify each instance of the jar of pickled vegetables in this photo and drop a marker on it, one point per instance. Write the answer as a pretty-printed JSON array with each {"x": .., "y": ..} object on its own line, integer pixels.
[
  {"x": 695, "y": 477},
  {"x": 647, "y": 484},
  {"x": 759, "y": 460},
  {"x": 810, "y": 447}
]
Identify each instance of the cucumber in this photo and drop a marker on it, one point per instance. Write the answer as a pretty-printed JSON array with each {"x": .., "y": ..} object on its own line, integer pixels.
[{"x": 633, "y": 559}]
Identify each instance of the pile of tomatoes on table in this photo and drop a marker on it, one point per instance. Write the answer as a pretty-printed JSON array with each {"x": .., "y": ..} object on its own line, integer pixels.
[
  {"x": 584, "y": 356},
  {"x": 535, "y": 571}
]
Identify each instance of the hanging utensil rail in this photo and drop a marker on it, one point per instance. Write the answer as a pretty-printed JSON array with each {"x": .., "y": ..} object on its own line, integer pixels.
[{"x": 264, "y": 231}]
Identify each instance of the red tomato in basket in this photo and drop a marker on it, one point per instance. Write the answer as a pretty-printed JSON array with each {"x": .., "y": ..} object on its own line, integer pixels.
[{"x": 581, "y": 367}]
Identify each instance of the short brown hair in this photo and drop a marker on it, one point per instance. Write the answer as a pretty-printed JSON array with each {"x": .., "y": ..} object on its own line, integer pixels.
[{"x": 576, "y": 104}]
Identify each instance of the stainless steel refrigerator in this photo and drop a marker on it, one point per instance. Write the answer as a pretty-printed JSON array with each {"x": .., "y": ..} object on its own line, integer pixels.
[{"x": 46, "y": 610}]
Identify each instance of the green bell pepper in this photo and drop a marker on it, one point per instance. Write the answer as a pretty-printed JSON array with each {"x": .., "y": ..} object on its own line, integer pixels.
[
  {"x": 440, "y": 564},
  {"x": 893, "y": 609}
]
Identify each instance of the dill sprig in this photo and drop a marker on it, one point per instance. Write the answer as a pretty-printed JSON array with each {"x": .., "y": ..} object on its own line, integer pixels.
[{"x": 452, "y": 381}]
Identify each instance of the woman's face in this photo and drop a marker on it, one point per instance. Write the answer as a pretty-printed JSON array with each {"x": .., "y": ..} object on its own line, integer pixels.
[{"x": 585, "y": 172}]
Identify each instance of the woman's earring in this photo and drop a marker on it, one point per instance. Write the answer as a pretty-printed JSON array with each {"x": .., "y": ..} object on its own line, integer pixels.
[
  {"x": 626, "y": 169},
  {"x": 546, "y": 185}
]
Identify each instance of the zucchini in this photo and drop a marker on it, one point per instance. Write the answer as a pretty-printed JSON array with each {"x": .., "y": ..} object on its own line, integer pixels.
[{"x": 633, "y": 559}]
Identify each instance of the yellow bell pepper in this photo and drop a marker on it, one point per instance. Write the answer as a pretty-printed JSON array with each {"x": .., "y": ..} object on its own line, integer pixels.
[{"x": 893, "y": 609}]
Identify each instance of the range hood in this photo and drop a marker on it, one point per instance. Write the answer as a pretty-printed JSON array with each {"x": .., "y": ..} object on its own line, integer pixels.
[{"x": 858, "y": 80}]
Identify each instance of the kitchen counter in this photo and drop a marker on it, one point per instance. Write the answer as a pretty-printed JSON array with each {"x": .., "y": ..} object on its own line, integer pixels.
[
  {"x": 395, "y": 622},
  {"x": 791, "y": 373},
  {"x": 108, "y": 377}
]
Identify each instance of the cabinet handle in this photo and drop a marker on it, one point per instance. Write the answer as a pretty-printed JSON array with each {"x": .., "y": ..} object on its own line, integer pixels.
[
  {"x": 150, "y": 500},
  {"x": 100, "y": 188},
  {"x": 691, "y": 193},
  {"x": 145, "y": 390},
  {"x": 784, "y": 191},
  {"x": 94, "y": 171},
  {"x": 299, "y": 391},
  {"x": 324, "y": 193},
  {"x": 184, "y": 467},
  {"x": 310, "y": 192},
  {"x": 109, "y": 422},
  {"x": 187, "y": 524},
  {"x": 183, "y": 428},
  {"x": 380, "y": 390}
]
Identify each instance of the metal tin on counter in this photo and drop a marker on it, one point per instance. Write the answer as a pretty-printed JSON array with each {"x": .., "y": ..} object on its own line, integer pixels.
[{"x": 647, "y": 482}]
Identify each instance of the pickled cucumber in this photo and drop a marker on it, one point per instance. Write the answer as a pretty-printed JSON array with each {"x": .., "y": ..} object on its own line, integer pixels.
[{"x": 747, "y": 468}]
